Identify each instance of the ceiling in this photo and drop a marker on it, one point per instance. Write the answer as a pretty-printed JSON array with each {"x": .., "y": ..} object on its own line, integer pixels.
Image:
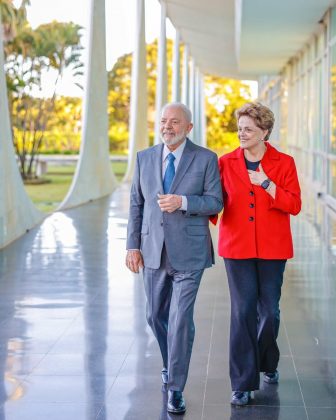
[{"x": 245, "y": 38}]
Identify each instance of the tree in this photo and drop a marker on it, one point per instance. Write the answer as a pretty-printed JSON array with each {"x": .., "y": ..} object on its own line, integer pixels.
[
  {"x": 120, "y": 78},
  {"x": 30, "y": 54},
  {"x": 223, "y": 97},
  {"x": 12, "y": 17}
]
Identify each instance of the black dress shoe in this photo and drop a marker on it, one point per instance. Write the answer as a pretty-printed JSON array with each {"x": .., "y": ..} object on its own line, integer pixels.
[
  {"x": 271, "y": 377},
  {"x": 176, "y": 403},
  {"x": 164, "y": 376},
  {"x": 240, "y": 397}
]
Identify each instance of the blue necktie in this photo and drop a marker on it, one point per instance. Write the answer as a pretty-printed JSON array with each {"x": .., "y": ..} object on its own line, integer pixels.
[{"x": 169, "y": 174}]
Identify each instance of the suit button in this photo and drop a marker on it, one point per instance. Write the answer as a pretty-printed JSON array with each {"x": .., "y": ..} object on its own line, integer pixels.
[
  {"x": 251, "y": 218},
  {"x": 251, "y": 205},
  {"x": 251, "y": 193},
  {"x": 161, "y": 223}
]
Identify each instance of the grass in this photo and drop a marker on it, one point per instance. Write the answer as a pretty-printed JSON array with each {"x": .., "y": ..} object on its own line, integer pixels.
[{"x": 47, "y": 197}]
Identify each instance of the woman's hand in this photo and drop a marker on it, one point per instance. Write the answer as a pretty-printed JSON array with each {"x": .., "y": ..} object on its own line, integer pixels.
[{"x": 257, "y": 178}]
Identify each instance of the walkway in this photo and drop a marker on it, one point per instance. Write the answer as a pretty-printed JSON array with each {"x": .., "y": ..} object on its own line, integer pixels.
[{"x": 74, "y": 344}]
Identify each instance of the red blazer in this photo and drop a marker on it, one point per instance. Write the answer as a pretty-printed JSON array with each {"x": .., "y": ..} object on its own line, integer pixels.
[{"x": 253, "y": 224}]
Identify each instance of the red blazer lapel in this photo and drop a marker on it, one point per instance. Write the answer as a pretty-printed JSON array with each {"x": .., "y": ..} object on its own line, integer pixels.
[
  {"x": 269, "y": 159},
  {"x": 238, "y": 165}
]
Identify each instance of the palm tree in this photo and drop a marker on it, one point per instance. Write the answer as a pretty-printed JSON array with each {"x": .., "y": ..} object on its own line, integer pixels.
[
  {"x": 54, "y": 46},
  {"x": 12, "y": 17},
  {"x": 30, "y": 53},
  {"x": 60, "y": 43}
]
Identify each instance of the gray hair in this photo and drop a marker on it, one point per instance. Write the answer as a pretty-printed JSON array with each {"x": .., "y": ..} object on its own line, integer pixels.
[{"x": 186, "y": 111}]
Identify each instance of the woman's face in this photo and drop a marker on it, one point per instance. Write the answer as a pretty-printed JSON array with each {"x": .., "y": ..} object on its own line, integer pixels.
[{"x": 250, "y": 136}]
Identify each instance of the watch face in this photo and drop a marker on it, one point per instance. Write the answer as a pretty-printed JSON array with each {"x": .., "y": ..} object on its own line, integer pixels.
[{"x": 265, "y": 184}]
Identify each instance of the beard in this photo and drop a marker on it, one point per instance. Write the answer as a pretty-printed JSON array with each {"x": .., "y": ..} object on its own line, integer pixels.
[{"x": 174, "y": 140}]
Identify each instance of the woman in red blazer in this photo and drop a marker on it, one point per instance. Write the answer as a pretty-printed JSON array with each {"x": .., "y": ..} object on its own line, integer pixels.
[{"x": 261, "y": 191}]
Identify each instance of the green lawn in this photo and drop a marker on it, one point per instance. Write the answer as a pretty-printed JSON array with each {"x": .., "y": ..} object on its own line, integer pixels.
[{"x": 47, "y": 197}]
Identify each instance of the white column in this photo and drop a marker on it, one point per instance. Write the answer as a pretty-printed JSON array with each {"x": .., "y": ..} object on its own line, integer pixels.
[
  {"x": 17, "y": 213},
  {"x": 192, "y": 94},
  {"x": 138, "y": 139},
  {"x": 185, "y": 77},
  {"x": 161, "y": 84},
  {"x": 196, "y": 129},
  {"x": 176, "y": 90},
  {"x": 94, "y": 177}
]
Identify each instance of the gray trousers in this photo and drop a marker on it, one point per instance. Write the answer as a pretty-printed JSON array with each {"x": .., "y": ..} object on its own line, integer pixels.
[{"x": 171, "y": 298}]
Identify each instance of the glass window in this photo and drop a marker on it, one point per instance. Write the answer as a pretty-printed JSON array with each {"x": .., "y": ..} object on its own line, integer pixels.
[
  {"x": 332, "y": 232},
  {"x": 332, "y": 178},
  {"x": 320, "y": 44},
  {"x": 333, "y": 100},
  {"x": 311, "y": 53},
  {"x": 333, "y": 23},
  {"x": 318, "y": 102},
  {"x": 318, "y": 168}
]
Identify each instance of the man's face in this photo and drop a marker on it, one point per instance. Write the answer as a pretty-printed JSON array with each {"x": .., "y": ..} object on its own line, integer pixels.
[{"x": 174, "y": 127}]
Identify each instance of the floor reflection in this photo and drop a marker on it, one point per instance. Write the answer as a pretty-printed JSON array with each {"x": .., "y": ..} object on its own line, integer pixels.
[{"x": 74, "y": 341}]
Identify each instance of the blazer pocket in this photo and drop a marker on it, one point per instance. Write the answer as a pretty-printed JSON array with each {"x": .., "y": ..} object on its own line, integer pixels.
[
  {"x": 197, "y": 230},
  {"x": 144, "y": 229}
]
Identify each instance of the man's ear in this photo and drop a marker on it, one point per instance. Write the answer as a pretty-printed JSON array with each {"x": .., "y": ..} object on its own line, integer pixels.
[{"x": 190, "y": 126}]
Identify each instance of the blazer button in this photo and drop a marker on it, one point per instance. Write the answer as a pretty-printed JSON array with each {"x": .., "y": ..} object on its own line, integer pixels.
[
  {"x": 251, "y": 205},
  {"x": 161, "y": 223},
  {"x": 251, "y": 218},
  {"x": 251, "y": 193}
]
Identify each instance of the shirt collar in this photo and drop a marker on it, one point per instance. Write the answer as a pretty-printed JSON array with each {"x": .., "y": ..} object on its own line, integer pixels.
[{"x": 177, "y": 152}]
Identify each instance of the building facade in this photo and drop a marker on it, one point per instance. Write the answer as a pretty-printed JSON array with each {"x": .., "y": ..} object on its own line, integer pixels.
[{"x": 303, "y": 97}]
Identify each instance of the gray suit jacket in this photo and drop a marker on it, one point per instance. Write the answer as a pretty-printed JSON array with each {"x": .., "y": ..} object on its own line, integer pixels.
[{"x": 185, "y": 233}]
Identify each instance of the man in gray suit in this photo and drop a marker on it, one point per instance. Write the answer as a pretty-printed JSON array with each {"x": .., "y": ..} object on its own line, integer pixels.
[{"x": 176, "y": 187}]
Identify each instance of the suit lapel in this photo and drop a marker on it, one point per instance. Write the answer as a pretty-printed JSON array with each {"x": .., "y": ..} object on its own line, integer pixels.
[
  {"x": 157, "y": 166},
  {"x": 186, "y": 159}
]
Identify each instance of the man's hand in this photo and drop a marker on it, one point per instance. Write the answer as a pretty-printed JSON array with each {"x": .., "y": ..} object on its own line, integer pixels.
[
  {"x": 169, "y": 202},
  {"x": 134, "y": 260},
  {"x": 257, "y": 178}
]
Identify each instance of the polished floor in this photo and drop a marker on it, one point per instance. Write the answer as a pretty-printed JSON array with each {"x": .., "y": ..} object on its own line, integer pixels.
[{"x": 74, "y": 344}]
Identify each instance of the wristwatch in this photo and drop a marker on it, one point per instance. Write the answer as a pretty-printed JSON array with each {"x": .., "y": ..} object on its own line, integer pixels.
[{"x": 265, "y": 184}]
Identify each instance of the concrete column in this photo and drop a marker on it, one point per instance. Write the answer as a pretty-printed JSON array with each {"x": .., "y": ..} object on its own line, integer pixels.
[
  {"x": 94, "y": 177},
  {"x": 185, "y": 77},
  {"x": 138, "y": 138},
  {"x": 192, "y": 95},
  {"x": 17, "y": 213},
  {"x": 196, "y": 129},
  {"x": 176, "y": 90},
  {"x": 161, "y": 84}
]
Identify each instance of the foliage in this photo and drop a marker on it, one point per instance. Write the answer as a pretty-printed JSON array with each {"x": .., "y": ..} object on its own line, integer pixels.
[
  {"x": 223, "y": 97},
  {"x": 53, "y": 125},
  {"x": 64, "y": 128},
  {"x": 119, "y": 81},
  {"x": 47, "y": 197},
  {"x": 30, "y": 54},
  {"x": 12, "y": 17}
]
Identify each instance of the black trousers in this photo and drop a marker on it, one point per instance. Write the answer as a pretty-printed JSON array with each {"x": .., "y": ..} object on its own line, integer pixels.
[{"x": 255, "y": 291}]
